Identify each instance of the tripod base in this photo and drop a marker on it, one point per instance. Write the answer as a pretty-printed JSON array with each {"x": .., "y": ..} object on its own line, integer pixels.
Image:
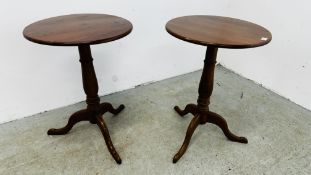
[
  {"x": 94, "y": 117},
  {"x": 201, "y": 117}
]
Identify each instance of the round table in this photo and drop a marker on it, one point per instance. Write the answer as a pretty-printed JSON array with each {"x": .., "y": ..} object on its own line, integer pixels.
[
  {"x": 214, "y": 32},
  {"x": 83, "y": 30}
]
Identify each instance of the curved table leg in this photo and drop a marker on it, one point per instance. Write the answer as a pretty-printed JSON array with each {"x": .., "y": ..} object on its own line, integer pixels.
[
  {"x": 82, "y": 115},
  {"x": 107, "y": 107},
  {"x": 191, "y": 128},
  {"x": 221, "y": 122},
  {"x": 190, "y": 108},
  {"x": 103, "y": 128}
]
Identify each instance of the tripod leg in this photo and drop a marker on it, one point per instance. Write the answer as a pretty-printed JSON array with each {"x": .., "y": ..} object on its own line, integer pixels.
[
  {"x": 191, "y": 128},
  {"x": 103, "y": 128},
  {"x": 190, "y": 108},
  {"x": 82, "y": 115},
  {"x": 221, "y": 122},
  {"x": 107, "y": 107}
]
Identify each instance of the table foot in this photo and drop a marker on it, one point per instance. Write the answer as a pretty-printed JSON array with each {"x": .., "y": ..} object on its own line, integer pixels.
[
  {"x": 191, "y": 128},
  {"x": 107, "y": 107},
  {"x": 190, "y": 108},
  {"x": 83, "y": 115},
  {"x": 103, "y": 128},
  {"x": 202, "y": 118},
  {"x": 221, "y": 122}
]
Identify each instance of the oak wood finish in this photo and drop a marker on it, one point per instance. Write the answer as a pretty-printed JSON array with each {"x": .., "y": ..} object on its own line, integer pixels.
[
  {"x": 82, "y": 30},
  {"x": 214, "y": 32}
]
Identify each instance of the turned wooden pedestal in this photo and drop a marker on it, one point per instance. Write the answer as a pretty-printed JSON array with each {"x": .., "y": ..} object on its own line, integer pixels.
[
  {"x": 214, "y": 32},
  {"x": 83, "y": 30}
]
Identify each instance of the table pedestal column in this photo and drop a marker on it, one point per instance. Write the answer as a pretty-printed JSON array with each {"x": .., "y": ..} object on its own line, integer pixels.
[
  {"x": 201, "y": 111},
  {"x": 94, "y": 111}
]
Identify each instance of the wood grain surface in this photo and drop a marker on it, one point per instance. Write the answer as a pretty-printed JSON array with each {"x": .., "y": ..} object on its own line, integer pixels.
[
  {"x": 78, "y": 29},
  {"x": 218, "y": 31}
]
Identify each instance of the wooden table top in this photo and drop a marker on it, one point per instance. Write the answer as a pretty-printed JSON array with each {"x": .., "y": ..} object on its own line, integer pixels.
[
  {"x": 78, "y": 29},
  {"x": 218, "y": 31}
]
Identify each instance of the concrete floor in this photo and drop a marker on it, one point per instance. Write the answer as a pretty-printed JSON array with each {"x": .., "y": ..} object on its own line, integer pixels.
[{"x": 148, "y": 133}]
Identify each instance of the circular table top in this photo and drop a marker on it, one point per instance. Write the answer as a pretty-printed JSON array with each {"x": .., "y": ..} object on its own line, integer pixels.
[
  {"x": 218, "y": 31},
  {"x": 78, "y": 29}
]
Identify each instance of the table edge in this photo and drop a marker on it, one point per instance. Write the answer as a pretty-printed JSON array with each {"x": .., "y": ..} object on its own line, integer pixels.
[{"x": 228, "y": 46}]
